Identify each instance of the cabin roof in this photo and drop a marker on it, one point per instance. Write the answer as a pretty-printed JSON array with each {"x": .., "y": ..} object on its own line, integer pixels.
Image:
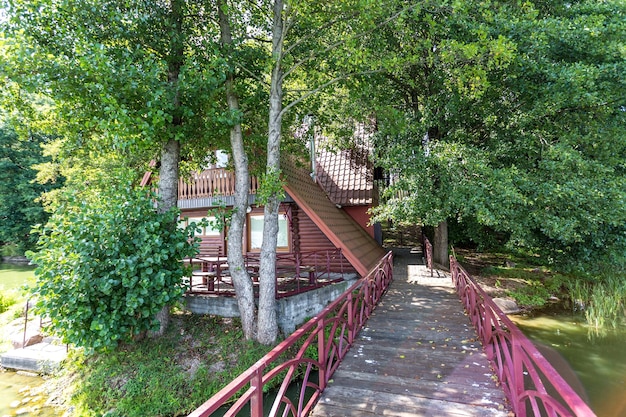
[
  {"x": 361, "y": 250},
  {"x": 346, "y": 175}
]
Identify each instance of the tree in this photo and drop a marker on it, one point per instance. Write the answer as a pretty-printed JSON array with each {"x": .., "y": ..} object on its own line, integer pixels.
[
  {"x": 239, "y": 273},
  {"x": 483, "y": 123},
  {"x": 131, "y": 77},
  {"x": 304, "y": 35},
  {"x": 20, "y": 208}
]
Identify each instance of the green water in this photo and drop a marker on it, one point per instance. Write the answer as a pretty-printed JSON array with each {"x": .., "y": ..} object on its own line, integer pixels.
[
  {"x": 599, "y": 361},
  {"x": 24, "y": 395},
  {"x": 13, "y": 277}
]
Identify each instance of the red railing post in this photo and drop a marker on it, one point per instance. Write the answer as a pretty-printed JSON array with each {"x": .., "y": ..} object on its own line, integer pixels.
[
  {"x": 256, "y": 401},
  {"x": 428, "y": 254},
  {"x": 322, "y": 355},
  {"x": 351, "y": 333}
]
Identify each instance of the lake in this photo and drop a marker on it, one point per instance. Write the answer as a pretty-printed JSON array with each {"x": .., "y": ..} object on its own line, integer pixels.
[{"x": 598, "y": 361}]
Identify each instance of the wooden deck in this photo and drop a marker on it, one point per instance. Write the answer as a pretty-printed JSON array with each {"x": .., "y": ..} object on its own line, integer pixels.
[{"x": 417, "y": 356}]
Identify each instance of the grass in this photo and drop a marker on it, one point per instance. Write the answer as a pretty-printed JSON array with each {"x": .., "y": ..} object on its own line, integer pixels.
[
  {"x": 12, "y": 296},
  {"x": 519, "y": 276},
  {"x": 603, "y": 302},
  {"x": 533, "y": 286},
  {"x": 168, "y": 376}
]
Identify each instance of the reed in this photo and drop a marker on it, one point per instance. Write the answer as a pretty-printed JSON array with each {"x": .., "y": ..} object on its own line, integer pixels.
[{"x": 603, "y": 302}]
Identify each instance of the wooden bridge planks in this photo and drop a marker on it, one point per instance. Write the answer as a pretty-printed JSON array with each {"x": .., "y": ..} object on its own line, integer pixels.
[{"x": 417, "y": 356}]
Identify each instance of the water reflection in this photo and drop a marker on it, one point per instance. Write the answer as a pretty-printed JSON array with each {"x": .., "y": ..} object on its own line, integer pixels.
[{"x": 598, "y": 360}]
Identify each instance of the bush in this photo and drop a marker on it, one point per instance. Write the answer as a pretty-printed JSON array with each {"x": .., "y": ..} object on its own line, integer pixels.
[
  {"x": 108, "y": 262},
  {"x": 10, "y": 249},
  {"x": 7, "y": 299}
]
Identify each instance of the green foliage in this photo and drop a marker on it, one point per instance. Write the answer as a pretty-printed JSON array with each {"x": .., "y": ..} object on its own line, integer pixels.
[
  {"x": 603, "y": 301},
  {"x": 171, "y": 375},
  {"x": 270, "y": 184},
  {"x": 107, "y": 263},
  {"x": 524, "y": 111},
  {"x": 124, "y": 77},
  {"x": 7, "y": 299},
  {"x": 534, "y": 294},
  {"x": 10, "y": 249},
  {"x": 20, "y": 208},
  {"x": 221, "y": 217}
]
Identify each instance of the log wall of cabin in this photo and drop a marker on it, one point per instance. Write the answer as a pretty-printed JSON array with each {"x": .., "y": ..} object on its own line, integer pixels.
[
  {"x": 313, "y": 239},
  {"x": 305, "y": 237}
]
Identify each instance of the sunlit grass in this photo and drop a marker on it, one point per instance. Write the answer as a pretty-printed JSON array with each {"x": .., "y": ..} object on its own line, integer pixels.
[
  {"x": 13, "y": 297},
  {"x": 603, "y": 302}
]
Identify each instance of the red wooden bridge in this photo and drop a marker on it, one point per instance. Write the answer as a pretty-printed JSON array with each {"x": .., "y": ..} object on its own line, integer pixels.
[{"x": 417, "y": 354}]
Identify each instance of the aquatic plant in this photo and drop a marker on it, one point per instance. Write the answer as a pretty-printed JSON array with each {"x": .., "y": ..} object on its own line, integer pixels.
[{"x": 603, "y": 301}]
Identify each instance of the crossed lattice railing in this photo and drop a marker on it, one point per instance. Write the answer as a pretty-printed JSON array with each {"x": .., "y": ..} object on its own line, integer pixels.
[
  {"x": 306, "y": 359},
  {"x": 530, "y": 382}
]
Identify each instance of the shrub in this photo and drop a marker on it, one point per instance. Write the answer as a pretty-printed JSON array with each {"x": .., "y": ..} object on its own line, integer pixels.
[
  {"x": 10, "y": 249},
  {"x": 7, "y": 299},
  {"x": 107, "y": 263}
]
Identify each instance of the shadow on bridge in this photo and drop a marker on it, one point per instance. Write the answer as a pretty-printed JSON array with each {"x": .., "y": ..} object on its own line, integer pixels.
[{"x": 418, "y": 355}]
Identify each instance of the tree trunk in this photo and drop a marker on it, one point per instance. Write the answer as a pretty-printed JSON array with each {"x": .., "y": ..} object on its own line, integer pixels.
[
  {"x": 170, "y": 153},
  {"x": 268, "y": 324},
  {"x": 440, "y": 245},
  {"x": 236, "y": 262},
  {"x": 168, "y": 176}
]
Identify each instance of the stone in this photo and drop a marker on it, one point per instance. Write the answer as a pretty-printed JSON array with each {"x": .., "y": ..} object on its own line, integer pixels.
[
  {"x": 32, "y": 338},
  {"x": 507, "y": 305}
]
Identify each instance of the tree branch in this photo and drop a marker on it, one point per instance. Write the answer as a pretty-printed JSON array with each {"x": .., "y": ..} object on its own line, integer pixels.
[
  {"x": 323, "y": 86},
  {"x": 319, "y": 30},
  {"x": 343, "y": 41},
  {"x": 253, "y": 75}
]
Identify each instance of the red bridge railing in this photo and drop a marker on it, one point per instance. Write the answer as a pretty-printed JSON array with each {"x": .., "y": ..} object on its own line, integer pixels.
[
  {"x": 530, "y": 382},
  {"x": 428, "y": 254},
  {"x": 307, "y": 359}
]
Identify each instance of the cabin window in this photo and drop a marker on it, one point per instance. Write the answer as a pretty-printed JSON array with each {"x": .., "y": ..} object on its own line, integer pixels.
[
  {"x": 210, "y": 230},
  {"x": 255, "y": 232}
]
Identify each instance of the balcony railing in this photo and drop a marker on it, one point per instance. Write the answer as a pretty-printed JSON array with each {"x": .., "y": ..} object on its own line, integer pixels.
[
  {"x": 211, "y": 183},
  {"x": 295, "y": 272}
]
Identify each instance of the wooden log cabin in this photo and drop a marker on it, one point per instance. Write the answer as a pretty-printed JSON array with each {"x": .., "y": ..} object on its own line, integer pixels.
[{"x": 324, "y": 214}]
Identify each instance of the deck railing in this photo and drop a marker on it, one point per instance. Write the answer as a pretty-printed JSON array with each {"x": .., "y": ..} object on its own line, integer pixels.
[
  {"x": 530, "y": 382},
  {"x": 318, "y": 347},
  {"x": 211, "y": 183},
  {"x": 295, "y": 272}
]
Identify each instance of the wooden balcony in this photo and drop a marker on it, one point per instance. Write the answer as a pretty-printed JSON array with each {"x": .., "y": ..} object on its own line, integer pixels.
[{"x": 211, "y": 183}]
